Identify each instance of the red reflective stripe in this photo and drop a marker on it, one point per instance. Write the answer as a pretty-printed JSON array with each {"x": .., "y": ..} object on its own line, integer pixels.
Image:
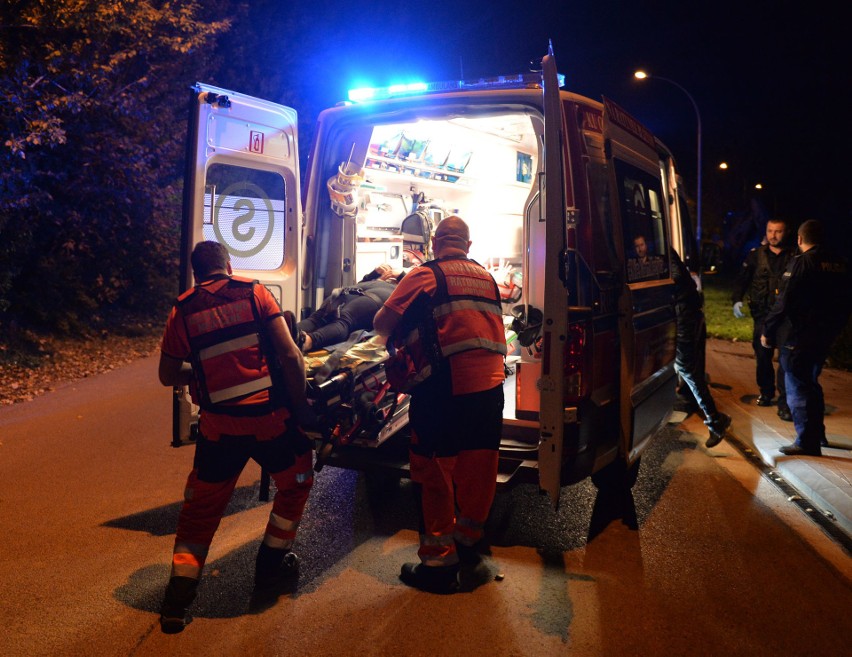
[{"x": 218, "y": 317}]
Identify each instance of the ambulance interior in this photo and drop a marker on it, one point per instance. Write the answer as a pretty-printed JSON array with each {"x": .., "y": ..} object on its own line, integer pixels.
[{"x": 388, "y": 185}]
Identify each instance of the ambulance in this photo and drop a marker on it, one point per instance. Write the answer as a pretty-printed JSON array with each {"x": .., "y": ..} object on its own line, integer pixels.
[{"x": 557, "y": 188}]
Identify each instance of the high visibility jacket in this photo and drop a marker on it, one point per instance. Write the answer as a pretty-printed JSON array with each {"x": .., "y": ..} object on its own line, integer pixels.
[
  {"x": 464, "y": 314},
  {"x": 233, "y": 362}
]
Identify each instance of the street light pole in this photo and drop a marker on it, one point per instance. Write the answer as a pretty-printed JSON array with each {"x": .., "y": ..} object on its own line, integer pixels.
[{"x": 642, "y": 75}]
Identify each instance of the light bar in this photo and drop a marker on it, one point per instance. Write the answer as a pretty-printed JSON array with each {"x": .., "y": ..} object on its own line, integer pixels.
[{"x": 520, "y": 81}]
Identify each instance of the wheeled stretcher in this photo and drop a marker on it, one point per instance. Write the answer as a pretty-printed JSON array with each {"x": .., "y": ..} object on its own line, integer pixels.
[{"x": 351, "y": 397}]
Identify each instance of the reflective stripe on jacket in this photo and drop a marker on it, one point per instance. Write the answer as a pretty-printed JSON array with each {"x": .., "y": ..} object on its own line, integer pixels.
[
  {"x": 229, "y": 349},
  {"x": 464, "y": 314}
]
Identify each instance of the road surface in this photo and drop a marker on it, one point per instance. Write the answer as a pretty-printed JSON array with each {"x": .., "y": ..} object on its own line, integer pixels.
[{"x": 716, "y": 563}]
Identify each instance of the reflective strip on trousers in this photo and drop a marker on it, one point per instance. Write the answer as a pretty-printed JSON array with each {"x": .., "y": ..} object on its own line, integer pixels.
[
  {"x": 437, "y": 550},
  {"x": 188, "y": 560}
]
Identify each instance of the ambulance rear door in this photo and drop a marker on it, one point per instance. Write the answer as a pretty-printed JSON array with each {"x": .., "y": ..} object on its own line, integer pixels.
[
  {"x": 241, "y": 189},
  {"x": 557, "y": 198},
  {"x": 646, "y": 309}
]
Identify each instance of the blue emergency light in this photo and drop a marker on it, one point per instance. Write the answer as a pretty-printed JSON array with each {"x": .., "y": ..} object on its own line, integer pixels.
[{"x": 520, "y": 81}]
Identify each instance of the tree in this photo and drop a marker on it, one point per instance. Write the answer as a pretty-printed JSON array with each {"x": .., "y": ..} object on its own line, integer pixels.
[{"x": 92, "y": 123}]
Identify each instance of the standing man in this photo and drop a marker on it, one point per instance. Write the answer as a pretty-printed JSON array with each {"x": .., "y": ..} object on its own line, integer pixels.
[
  {"x": 815, "y": 302},
  {"x": 689, "y": 358},
  {"x": 446, "y": 315},
  {"x": 760, "y": 278},
  {"x": 227, "y": 339}
]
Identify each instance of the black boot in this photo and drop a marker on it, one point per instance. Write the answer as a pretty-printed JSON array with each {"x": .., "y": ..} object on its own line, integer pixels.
[
  {"x": 432, "y": 579},
  {"x": 473, "y": 571},
  {"x": 180, "y": 593},
  {"x": 718, "y": 425},
  {"x": 273, "y": 567},
  {"x": 468, "y": 554}
]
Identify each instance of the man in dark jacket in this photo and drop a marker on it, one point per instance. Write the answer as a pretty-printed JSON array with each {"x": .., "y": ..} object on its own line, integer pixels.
[
  {"x": 760, "y": 280},
  {"x": 691, "y": 336},
  {"x": 814, "y": 304}
]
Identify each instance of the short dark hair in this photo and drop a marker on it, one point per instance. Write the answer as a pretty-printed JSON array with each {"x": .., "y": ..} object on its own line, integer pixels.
[
  {"x": 208, "y": 257},
  {"x": 811, "y": 232}
]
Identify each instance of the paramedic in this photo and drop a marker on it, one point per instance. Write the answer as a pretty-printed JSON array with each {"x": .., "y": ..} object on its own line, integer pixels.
[
  {"x": 760, "y": 279},
  {"x": 248, "y": 377},
  {"x": 691, "y": 336},
  {"x": 815, "y": 302},
  {"x": 448, "y": 316},
  {"x": 347, "y": 309}
]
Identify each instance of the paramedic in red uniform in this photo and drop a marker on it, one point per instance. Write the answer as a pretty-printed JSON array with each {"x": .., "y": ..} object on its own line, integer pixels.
[
  {"x": 228, "y": 340},
  {"x": 447, "y": 314}
]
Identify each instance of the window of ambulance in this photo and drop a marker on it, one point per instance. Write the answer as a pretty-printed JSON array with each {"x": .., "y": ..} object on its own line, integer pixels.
[
  {"x": 244, "y": 210},
  {"x": 645, "y": 241}
]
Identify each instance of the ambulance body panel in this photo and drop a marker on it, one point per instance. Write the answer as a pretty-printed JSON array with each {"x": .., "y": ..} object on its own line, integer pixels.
[{"x": 555, "y": 187}]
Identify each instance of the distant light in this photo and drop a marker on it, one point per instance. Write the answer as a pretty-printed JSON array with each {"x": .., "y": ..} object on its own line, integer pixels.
[
  {"x": 758, "y": 186},
  {"x": 640, "y": 75},
  {"x": 723, "y": 165}
]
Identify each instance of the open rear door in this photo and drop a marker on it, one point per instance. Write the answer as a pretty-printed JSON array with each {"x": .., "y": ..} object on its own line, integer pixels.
[
  {"x": 555, "y": 324},
  {"x": 241, "y": 189},
  {"x": 646, "y": 310}
]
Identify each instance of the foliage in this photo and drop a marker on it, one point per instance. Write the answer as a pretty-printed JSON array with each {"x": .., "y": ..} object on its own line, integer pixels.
[
  {"x": 718, "y": 311},
  {"x": 92, "y": 122}
]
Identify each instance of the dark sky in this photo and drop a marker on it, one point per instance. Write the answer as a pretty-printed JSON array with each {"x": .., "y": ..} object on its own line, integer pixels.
[{"x": 769, "y": 78}]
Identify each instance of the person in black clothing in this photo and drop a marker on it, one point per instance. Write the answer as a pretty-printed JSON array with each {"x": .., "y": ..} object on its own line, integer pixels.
[
  {"x": 814, "y": 304},
  {"x": 348, "y": 309},
  {"x": 760, "y": 280},
  {"x": 689, "y": 361}
]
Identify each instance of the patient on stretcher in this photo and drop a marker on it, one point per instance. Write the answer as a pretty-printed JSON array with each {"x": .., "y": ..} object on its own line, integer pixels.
[{"x": 347, "y": 309}]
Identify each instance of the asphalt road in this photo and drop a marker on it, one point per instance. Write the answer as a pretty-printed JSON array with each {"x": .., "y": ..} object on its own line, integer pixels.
[{"x": 715, "y": 562}]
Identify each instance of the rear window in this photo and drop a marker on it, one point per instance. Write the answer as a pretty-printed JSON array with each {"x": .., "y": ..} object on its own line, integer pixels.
[{"x": 244, "y": 210}]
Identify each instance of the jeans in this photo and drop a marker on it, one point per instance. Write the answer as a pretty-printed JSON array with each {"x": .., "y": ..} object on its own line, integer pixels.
[
  {"x": 690, "y": 360},
  {"x": 804, "y": 394},
  {"x": 327, "y": 327}
]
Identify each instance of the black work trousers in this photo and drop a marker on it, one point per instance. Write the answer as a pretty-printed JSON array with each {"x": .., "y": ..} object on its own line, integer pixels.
[{"x": 769, "y": 378}]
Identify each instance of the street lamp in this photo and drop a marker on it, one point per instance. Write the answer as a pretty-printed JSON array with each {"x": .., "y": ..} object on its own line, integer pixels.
[{"x": 642, "y": 75}]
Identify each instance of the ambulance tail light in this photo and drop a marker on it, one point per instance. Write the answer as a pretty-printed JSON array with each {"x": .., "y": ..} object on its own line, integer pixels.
[{"x": 575, "y": 363}]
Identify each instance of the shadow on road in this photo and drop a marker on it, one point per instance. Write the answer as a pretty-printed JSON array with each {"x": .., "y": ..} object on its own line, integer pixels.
[{"x": 162, "y": 520}]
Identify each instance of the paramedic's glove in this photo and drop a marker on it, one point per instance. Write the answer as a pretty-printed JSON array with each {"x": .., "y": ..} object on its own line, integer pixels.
[{"x": 738, "y": 310}]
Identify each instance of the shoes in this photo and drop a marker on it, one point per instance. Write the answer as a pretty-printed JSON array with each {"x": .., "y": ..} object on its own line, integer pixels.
[
  {"x": 823, "y": 442},
  {"x": 718, "y": 427},
  {"x": 174, "y": 615},
  {"x": 785, "y": 414},
  {"x": 432, "y": 579},
  {"x": 764, "y": 400},
  {"x": 798, "y": 450},
  {"x": 468, "y": 554},
  {"x": 274, "y": 567}
]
